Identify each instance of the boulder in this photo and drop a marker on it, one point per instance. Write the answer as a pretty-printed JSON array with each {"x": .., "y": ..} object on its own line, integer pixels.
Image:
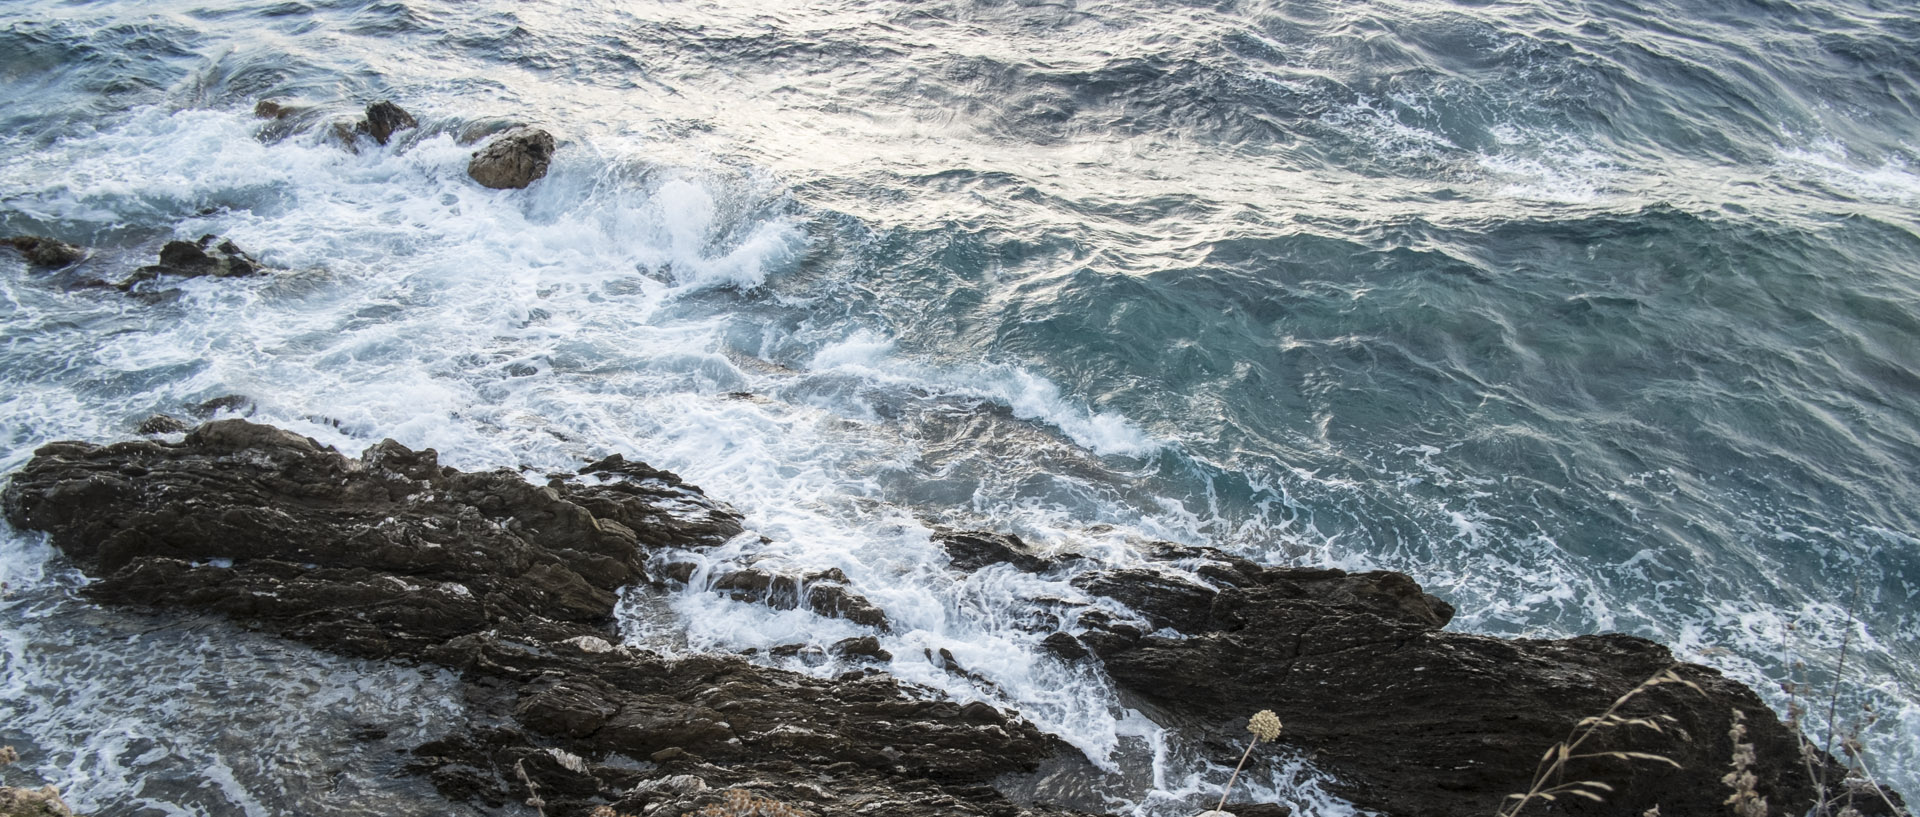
[
  {"x": 513, "y": 159},
  {"x": 383, "y": 119},
  {"x": 969, "y": 551},
  {"x": 209, "y": 256},
  {"x": 46, "y": 252}
]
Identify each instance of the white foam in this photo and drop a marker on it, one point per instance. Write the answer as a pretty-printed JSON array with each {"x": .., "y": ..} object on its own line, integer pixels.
[
  {"x": 1892, "y": 180},
  {"x": 1027, "y": 395},
  {"x": 174, "y": 714}
]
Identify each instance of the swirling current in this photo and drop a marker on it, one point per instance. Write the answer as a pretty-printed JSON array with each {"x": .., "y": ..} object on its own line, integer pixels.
[{"x": 1592, "y": 315}]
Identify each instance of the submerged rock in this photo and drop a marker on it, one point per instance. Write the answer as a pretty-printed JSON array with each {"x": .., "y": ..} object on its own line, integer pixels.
[
  {"x": 46, "y": 252},
  {"x": 210, "y": 256},
  {"x": 271, "y": 109},
  {"x": 513, "y": 159}
]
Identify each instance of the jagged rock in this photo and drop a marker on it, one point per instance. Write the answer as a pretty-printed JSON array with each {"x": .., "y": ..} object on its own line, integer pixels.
[
  {"x": 1165, "y": 600},
  {"x": 865, "y": 646},
  {"x": 507, "y": 583},
  {"x": 1414, "y": 720},
  {"x": 649, "y": 501},
  {"x": 971, "y": 550},
  {"x": 825, "y": 593},
  {"x": 46, "y": 252},
  {"x": 383, "y": 119},
  {"x": 1065, "y": 646},
  {"x": 211, "y": 255},
  {"x": 503, "y": 581},
  {"x": 161, "y": 424},
  {"x": 513, "y": 159}
]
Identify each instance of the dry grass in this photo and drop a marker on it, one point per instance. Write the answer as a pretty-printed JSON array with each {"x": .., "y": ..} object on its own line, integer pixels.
[
  {"x": 1553, "y": 765},
  {"x": 1831, "y": 801},
  {"x": 739, "y": 803}
]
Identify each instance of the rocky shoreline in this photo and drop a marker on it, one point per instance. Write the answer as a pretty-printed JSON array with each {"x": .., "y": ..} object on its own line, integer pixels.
[{"x": 392, "y": 556}]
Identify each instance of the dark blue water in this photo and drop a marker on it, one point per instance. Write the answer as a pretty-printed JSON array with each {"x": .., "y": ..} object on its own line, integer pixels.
[{"x": 1592, "y": 316}]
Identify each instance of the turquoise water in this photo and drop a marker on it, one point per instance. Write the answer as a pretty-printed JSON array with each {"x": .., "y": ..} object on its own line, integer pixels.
[{"x": 1595, "y": 316}]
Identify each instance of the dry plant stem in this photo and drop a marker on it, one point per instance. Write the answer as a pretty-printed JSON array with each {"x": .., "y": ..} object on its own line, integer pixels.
[
  {"x": 1555, "y": 760},
  {"x": 533, "y": 791},
  {"x": 1846, "y": 640},
  {"x": 1236, "y": 773}
]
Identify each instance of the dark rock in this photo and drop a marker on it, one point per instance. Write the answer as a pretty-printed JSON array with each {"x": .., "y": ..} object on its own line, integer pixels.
[
  {"x": 231, "y": 403},
  {"x": 1212, "y": 564},
  {"x": 383, "y": 119},
  {"x": 566, "y": 707},
  {"x": 826, "y": 593},
  {"x": 513, "y": 159},
  {"x": 1065, "y": 646},
  {"x": 211, "y": 255},
  {"x": 647, "y": 500},
  {"x": 1163, "y": 599},
  {"x": 865, "y": 646},
  {"x": 972, "y": 550},
  {"x": 1258, "y": 810},
  {"x": 46, "y": 252},
  {"x": 161, "y": 424},
  {"x": 1413, "y": 720},
  {"x": 511, "y": 585}
]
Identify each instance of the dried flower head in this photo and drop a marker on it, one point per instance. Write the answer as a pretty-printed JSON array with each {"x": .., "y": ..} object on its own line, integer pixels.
[
  {"x": 1745, "y": 800},
  {"x": 1265, "y": 725}
]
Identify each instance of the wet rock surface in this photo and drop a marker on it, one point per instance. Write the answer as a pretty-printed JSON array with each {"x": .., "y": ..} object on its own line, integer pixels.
[
  {"x": 513, "y": 159},
  {"x": 209, "y": 256},
  {"x": 511, "y": 583},
  {"x": 384, "y": 119},
  {"x": 1413, "y": 720},
  {"x": 972, "y": 550},
  {"x": 46, "y": 252}
]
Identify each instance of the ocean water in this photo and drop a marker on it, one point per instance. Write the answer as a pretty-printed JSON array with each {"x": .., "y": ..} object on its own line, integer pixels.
[{"x": 1594, "y": 316}]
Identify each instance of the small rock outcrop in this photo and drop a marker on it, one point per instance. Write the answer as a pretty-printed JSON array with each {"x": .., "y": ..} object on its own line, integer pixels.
[
  {"x": 46, "y": 252},
  {"x": 827, "y": 593},
  {"x": 971, "y": 550},
  {"x": 513, "y": 159},
  {"x": 210, "y": 256},
  {"x": 384, "y": 119}
]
